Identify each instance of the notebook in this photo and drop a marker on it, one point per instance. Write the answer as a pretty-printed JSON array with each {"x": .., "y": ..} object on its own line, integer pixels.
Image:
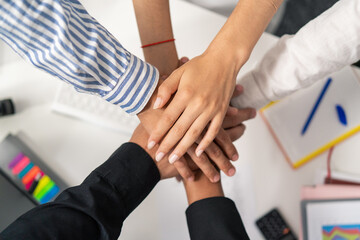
[{"x": 333, "y": 103}]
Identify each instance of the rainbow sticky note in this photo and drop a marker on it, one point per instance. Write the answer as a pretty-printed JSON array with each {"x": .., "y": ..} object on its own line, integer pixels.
[
  {"x": 42, "y": 183},
  {"x": 15, "y": 161},
  {"x": 20, "y": 165},
  {"x": 28, "y": 179},
  {"x": 39, "y": 195},
  {"x": 26, "y": 170},
  {"x": 50, "y": 194}
]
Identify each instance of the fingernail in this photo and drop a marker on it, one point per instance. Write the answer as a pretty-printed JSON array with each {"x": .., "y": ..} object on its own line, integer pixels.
[
  {"x": 235, "y": 157},
  {"x": 157, "y": 103},
  {"x": 159, "y": 156},
  {"x": 231, "y": 172},
  {"x": 184, "y": 60},
  {"x": 173, "y": 158},
  {"x": 199, "y": 152},
  {"x": 216, "y": 178},
  {"x": 151, "y": 144},
  {"x": 253, "y": 113},
  {"x": 190, "y": 179}
]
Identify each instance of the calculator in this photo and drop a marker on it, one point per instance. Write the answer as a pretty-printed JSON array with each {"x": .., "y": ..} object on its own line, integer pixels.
[{"x": 273, "y": 227}]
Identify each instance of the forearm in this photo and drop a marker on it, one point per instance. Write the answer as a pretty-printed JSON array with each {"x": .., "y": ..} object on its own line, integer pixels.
[
  {"x": 154, "y": 24},
  {"x": 323, "y": 46},
  {"x": 96, "y": 208},
  {"x": 238, "y": 36},
  {"x": 61, "y": 38}
]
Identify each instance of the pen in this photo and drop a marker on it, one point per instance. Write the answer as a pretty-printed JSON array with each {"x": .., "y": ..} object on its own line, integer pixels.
[{"x": 316, "y": 105}]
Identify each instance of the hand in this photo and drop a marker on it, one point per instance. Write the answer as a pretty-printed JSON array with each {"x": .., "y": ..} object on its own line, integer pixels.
[
  {"x": 219, "y": 153},
  {"x": 204, "y": 86},
  {"x": 166, "y": 169},
  {"x": 234, "y": 118}
]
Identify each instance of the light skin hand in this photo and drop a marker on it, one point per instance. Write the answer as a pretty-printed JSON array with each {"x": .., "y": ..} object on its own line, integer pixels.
[
  {"x": 153, "y": 17},
  {"x": 220, "y": 151},
  {"x": 220, "y": 157},
  {"x": 194, "y": 105},
  {"x": 204, "y": 85}
]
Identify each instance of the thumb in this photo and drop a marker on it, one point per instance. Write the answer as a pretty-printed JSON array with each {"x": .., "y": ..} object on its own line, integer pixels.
[{"x": 168, "y": 88}]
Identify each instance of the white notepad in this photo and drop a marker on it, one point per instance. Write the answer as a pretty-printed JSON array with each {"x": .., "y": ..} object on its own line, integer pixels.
[{"x": 287, "y": 117}]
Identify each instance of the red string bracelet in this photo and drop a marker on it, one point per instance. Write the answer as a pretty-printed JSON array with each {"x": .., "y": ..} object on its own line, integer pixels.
[{"x": 156, "y": 43}]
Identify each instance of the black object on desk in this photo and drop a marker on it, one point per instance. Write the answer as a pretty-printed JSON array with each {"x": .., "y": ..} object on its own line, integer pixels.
[
  {"x": 274, "y": 227},
  {"x": 6, "y": 107}
]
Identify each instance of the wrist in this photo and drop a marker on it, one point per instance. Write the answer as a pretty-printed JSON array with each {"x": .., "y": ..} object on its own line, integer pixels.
[
  {"x": 202, "y": 188},
  {"x": 228, "y": 53},
  {"x": 163, "y": 56}
]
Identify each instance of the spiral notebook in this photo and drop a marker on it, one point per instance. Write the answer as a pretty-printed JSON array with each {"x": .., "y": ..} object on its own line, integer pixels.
[{"x": 312, "y": 120}]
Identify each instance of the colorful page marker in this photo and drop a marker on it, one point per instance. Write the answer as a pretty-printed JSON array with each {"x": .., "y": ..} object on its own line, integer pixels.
[
  {"x": 44, "y": 190},
  {"x": 30, "y": 176},
  {"x": 20, "y": 165},
  {"x": 35, "y": 182},
  {"x": 341, "y": 114},
  {"x": 42, "y": 183},
  {"x": 49, "y": 195},
  {"x": 26, "y": 170},
  {"x": 15, "y": 161},
  {"x": 316, "y": 105}
]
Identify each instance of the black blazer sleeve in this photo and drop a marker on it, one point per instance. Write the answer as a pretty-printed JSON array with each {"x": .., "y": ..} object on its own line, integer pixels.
[
  {"x": 214, "y": 219},
  {"x": 96, "y": 208}
]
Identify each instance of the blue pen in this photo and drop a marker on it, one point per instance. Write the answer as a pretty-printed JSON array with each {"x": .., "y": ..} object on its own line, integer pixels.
[{"x": 316, "y": 105}]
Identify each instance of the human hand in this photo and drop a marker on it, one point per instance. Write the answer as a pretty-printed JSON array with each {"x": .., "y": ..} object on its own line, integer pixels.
[
  {"x": 166, "y": 169},
  {"x": 196, "y": 103},
  {"x": 217, "y": 153},
  {"x": 234, "y": 118}
]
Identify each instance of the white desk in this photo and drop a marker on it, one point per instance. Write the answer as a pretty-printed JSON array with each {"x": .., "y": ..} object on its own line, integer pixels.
[{"x": 264, "y": 179}]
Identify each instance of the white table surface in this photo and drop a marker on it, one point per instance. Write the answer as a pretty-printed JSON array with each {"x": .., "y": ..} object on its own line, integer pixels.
[{"x": 72, "y": 148}]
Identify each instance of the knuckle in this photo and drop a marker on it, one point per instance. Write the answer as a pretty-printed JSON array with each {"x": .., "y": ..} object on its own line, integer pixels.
[
  {"x": 195, "y": 133},
  {"x": 168, "y": 118},
  {"x": 216, "y": 153},
  {"x": 210, "y": 172},
  {"x": 202, "y": 160},
  {"x": 178, "y": 131},
  {"x": 187, "y": 92}
]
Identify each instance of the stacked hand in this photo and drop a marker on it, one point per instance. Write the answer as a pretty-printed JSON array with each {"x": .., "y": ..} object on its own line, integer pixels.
[{"x": 216, "y": 155}]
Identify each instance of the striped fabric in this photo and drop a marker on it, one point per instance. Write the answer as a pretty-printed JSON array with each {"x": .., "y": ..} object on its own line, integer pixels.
[{"x": 61, "y": 38}]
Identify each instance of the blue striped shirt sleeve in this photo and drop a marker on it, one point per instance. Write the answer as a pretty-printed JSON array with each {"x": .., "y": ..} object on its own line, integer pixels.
[{"x": 61, "y": 38}]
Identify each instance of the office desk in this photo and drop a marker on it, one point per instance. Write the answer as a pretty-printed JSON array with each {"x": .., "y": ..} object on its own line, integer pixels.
[{"x": 264, "y": 179}]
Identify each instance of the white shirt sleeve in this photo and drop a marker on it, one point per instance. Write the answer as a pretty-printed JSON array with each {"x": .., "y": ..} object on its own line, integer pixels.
[{"x": 323, "y": 46}]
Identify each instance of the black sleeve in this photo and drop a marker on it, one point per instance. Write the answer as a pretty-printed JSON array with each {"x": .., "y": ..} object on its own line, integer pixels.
[
  {"x": 97, "y": 208},
  {"x": 215, "y": 218}
]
